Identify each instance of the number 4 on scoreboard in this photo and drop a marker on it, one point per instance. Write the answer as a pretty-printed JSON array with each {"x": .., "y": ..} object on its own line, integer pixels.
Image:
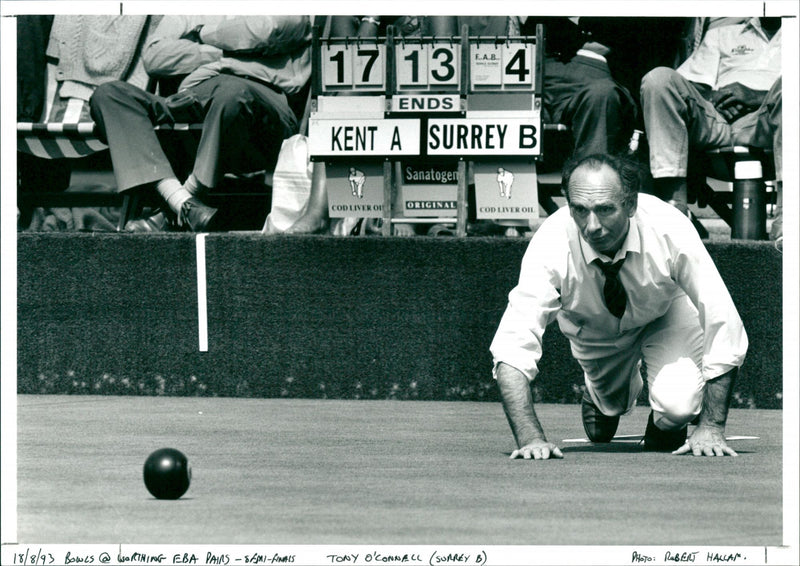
[
  {"x": 518, "y": 64},
  {"x": 504, "y": 65}
]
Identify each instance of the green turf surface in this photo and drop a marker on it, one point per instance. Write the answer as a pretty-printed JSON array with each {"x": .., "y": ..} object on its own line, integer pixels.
[
  {"x": 380, "y": 472},
  {"x": 316, "y": 317}
]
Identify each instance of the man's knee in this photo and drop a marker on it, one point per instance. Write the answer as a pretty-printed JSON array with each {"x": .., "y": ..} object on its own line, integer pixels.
[
  {"x": 676, "y": 394},
  {"x": 674, "y": 420},
  {"x": 109, "y": 92},
  {"x": 232, "y": 97},
  {"x": 656, "y": 80}
]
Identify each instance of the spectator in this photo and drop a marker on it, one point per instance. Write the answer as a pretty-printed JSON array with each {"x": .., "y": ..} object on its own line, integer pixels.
[
  {"x": 77, "y": 53},
  {"x": 629, "y": 282},
  {"x": 238, "y": 73},
  {"x": 728, "y": 92},
  {"x": 32, "y": 37},
  {"x": 579, "y": 89}
]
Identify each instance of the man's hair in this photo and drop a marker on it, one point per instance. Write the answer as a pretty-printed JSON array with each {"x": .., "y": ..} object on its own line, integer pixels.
[{"x": 630, "y": 173}]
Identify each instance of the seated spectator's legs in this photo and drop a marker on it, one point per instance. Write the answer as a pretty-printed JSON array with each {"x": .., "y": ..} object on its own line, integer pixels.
[
  {"x": 125, "y": 116},
  {"x": 244, "y": 126},
  {"x": 583, "y": 95},
  {"x": 764, "y": 128},
  {"x": 677, "y": 118}
]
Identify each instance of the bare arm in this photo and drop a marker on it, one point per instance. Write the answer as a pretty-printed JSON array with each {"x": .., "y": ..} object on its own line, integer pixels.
[
  {"x": 716, "y": 401},
  {"x": 517, "y": 399},
  {"x": 735, "y": 100},
  {"x": 708, "y": 439}
]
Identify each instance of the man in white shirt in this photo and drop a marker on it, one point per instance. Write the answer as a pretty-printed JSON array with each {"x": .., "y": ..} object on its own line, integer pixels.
[
  {"x": 728, "y": 92},
  {"x": 668, "y": 308}
]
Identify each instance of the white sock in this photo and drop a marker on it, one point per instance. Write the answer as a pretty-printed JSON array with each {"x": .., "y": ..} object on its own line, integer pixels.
[
  {"x": 173, "y": 192},
  {"x": 192, "y": 185}
]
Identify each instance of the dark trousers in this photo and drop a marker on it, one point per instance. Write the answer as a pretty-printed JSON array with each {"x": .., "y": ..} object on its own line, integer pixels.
[
  {"x": 244, "y": 124},
  {"x": 582, "y": 95}
]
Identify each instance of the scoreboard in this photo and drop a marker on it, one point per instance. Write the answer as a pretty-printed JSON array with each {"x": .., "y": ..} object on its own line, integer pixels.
[
  {"x": 435, "y": 100},
  {"x": 426, "y": 64},
  {"x": 425, "y": 86}
]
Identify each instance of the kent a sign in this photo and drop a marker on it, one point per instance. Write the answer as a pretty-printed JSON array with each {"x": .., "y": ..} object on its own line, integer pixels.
[{"x": 332, "y": 138}]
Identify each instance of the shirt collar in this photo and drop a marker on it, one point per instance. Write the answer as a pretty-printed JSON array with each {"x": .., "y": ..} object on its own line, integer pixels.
[
  {"x": 591, "y": 55},
  {"x": 755, "y": 23},
  {"x": 631, "y": 243}
]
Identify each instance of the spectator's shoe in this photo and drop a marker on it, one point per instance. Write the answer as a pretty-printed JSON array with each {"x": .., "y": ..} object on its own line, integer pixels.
[
  {"x": 442, "y": 230},
  {"x": 598, "y": 427},
  {"x": 159, "y": 221},
  {"x": 196, "y": 216},
  {"x": 657, "y": 440}
]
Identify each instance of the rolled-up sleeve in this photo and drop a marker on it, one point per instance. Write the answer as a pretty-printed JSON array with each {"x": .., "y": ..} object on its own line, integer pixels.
[
  {"x": 532, "y": 304},
  {"x": 262, "y": 35},
  {"x": 165, "y": 54},
  {"x": 724, "y": 338}
]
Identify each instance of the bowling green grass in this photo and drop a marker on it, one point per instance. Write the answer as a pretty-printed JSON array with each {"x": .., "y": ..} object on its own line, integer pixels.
[{"x": 391, "y": 472}]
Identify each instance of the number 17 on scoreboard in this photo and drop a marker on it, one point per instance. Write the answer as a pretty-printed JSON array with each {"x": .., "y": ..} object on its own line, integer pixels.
[{"x": 354, "y": 65}]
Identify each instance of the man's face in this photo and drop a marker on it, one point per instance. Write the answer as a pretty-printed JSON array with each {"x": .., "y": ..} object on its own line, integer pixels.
[{"x": 597, "y": 206}]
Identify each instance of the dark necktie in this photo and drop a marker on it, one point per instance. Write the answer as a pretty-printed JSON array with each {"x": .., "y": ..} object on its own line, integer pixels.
[{"x": 613, "y": 291}]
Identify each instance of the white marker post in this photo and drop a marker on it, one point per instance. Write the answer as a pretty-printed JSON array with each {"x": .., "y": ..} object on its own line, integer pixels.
[{"x": 202, "y": 307}]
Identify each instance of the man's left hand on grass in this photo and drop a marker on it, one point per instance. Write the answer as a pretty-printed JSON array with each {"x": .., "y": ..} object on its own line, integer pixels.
[{"x": 706, "y": 441}]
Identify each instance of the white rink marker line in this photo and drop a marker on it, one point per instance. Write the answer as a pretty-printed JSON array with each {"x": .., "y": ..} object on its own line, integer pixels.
[
  {"x": 202, "y": 306},
  {"x": 638, "y": 438}
]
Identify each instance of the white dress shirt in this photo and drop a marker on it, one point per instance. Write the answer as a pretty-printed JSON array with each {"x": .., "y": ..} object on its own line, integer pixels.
[
  {"x": 736, "y": 53},
  {"x": 665, "y": 259}
]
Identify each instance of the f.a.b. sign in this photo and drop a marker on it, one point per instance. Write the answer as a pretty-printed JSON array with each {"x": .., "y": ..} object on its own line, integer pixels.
[{"x": 506, "y": 65}]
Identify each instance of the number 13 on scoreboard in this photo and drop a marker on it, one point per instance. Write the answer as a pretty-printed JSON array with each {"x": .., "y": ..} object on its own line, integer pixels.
[
  {"x": 428, "y": 65},
  {"x": 354, "y": 65}
]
